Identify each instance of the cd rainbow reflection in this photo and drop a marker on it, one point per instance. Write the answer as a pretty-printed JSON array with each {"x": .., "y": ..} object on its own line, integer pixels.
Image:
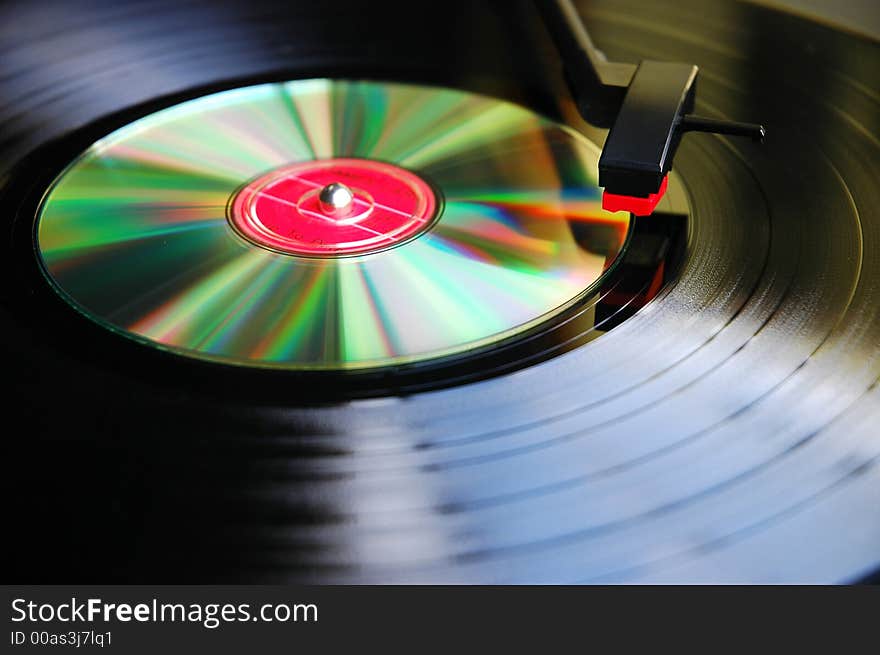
[{"x": 135, "y": 232}]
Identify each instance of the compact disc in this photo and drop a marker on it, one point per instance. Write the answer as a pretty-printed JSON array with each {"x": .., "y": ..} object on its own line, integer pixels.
[{"x": 323, "y": 224}]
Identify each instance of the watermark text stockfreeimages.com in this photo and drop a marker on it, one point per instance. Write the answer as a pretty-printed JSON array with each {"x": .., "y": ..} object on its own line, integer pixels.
[{"x": 209, "y": 615}]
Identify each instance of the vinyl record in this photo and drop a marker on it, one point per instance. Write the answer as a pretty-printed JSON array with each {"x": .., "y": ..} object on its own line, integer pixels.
[{"x": 705, "y": 409}]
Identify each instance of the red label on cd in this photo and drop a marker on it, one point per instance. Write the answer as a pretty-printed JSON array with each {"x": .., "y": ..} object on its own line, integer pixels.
[{"x": 333, "y": 207}]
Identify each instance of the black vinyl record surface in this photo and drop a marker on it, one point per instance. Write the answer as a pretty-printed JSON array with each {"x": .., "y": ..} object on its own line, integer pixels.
[{"x": 709, "y": 414}]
